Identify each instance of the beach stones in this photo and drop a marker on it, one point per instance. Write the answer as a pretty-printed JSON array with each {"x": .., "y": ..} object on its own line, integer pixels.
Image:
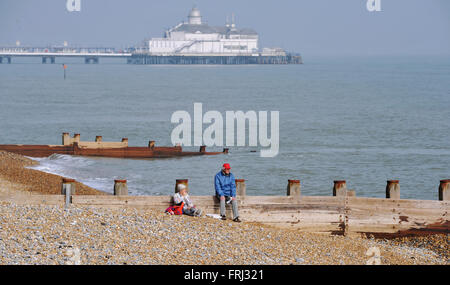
[{"x": 90, "y": 235}]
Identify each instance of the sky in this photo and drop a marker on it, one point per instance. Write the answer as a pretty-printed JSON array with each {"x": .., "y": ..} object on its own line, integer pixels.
[{"x": 310, "y": 27}]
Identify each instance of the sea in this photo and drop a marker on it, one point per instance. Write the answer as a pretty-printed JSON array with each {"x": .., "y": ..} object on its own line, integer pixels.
[{"x": 362, "y": 119}]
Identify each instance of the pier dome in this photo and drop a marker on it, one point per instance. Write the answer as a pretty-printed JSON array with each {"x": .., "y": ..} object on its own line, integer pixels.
[{"x": 195, "y": 17}]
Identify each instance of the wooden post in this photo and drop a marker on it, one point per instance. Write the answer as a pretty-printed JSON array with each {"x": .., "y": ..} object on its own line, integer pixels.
[
  {"x": 68, "y": 189},
  {"x": 340, "y": 188},
  {"x": 65, "y": 139},
  {"x": 181, "y": 181},
  {"x": 293, "y": 188},
  {"x": 76, "y": 138},
  {"x": 240, "y": 187},
  {"x": 120, "y": 188},
  {"x": 151, "y": 144},
  {"x": 444, "y": 190},
  {"x": 65, "y": 182},
  {"x": 68, "y": 195},
  {"x": 393, "y": 189},
  {"x": 351, "y": 193},
  {"x": 76, "y": 148},
  {"x": 203, "y": 148},
  {"x": 98, "y": 138}
]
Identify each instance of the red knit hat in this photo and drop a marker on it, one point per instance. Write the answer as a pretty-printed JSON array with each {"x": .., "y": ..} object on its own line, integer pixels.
[{"x": 226, "y": 166}]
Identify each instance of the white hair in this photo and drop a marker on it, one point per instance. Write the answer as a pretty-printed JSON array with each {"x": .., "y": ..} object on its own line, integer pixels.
[{"x": 181, "y": 187}]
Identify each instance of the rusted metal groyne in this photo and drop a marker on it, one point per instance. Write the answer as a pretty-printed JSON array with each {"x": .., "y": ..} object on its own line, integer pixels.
[{"x": 74, "y": 146}]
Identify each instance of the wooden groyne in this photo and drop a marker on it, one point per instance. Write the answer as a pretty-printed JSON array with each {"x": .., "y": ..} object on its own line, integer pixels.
[
  {"x": 74, "y": 146},
  {"x": 341, "y": 214}
]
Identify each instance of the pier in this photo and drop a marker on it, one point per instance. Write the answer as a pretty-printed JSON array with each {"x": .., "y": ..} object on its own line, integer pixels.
[
  {"x": 139, "y": 58},
  {"x": 92, "y": 55},
  {"x": 191, "y": 42},
  {"x": 49, "y": 54}
]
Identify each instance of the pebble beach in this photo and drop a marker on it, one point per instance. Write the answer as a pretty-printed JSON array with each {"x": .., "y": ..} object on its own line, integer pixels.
[
  {"x": 42, "y": 234},
  {"x": 51, "y": 235},
  {"x": 16, "y": 177}
]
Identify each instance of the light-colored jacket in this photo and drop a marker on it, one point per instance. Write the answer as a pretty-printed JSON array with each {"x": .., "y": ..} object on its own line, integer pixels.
[{"x": 177, "y": 198}]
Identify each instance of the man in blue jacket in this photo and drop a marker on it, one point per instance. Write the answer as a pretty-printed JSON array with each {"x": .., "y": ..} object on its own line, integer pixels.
[{"x": 225, "y": 185}]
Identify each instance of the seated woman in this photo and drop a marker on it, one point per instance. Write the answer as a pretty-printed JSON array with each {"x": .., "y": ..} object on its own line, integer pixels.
[{"x": 182, "y": 198}]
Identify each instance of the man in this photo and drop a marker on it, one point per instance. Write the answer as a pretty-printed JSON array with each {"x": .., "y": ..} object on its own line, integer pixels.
[{"x": 225, "y": 185}]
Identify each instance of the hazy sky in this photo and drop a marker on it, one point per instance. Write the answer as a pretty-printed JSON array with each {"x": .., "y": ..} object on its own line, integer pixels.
[{"x": 311, "y": 27}]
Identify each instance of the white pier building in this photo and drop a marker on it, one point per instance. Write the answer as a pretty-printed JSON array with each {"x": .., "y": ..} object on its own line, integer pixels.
[{"x": 196, "y": 37}]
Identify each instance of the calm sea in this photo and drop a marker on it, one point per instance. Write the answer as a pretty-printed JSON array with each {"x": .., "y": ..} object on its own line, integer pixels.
[{"x": 362, "y": 119}]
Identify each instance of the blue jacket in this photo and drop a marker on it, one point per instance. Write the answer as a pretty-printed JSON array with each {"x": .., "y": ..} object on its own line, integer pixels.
[{"x": 225, "y": 184}]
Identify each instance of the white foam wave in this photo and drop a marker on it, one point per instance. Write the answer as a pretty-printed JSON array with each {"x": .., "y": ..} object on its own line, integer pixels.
[{"x": 79, "y": 168}]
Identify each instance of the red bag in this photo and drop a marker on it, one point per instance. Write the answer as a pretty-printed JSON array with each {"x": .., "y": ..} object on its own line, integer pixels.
[{"x": 175, "y": 210}]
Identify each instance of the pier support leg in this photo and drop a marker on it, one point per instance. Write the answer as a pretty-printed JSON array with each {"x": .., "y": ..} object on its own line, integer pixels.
[
  {"x": 444, "y": 190},
  {"x": 293, "y": 188},
  {"x": 240, "y": 187},
  {"x": 181, "y": 181},
  {"x": 393, "y": 189},
  {"x": 88, "y": 60},
  {"x": 51, "y": 58},
  {"x": 120, "y": 188},
  {"x": 340, "y": 188}
]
